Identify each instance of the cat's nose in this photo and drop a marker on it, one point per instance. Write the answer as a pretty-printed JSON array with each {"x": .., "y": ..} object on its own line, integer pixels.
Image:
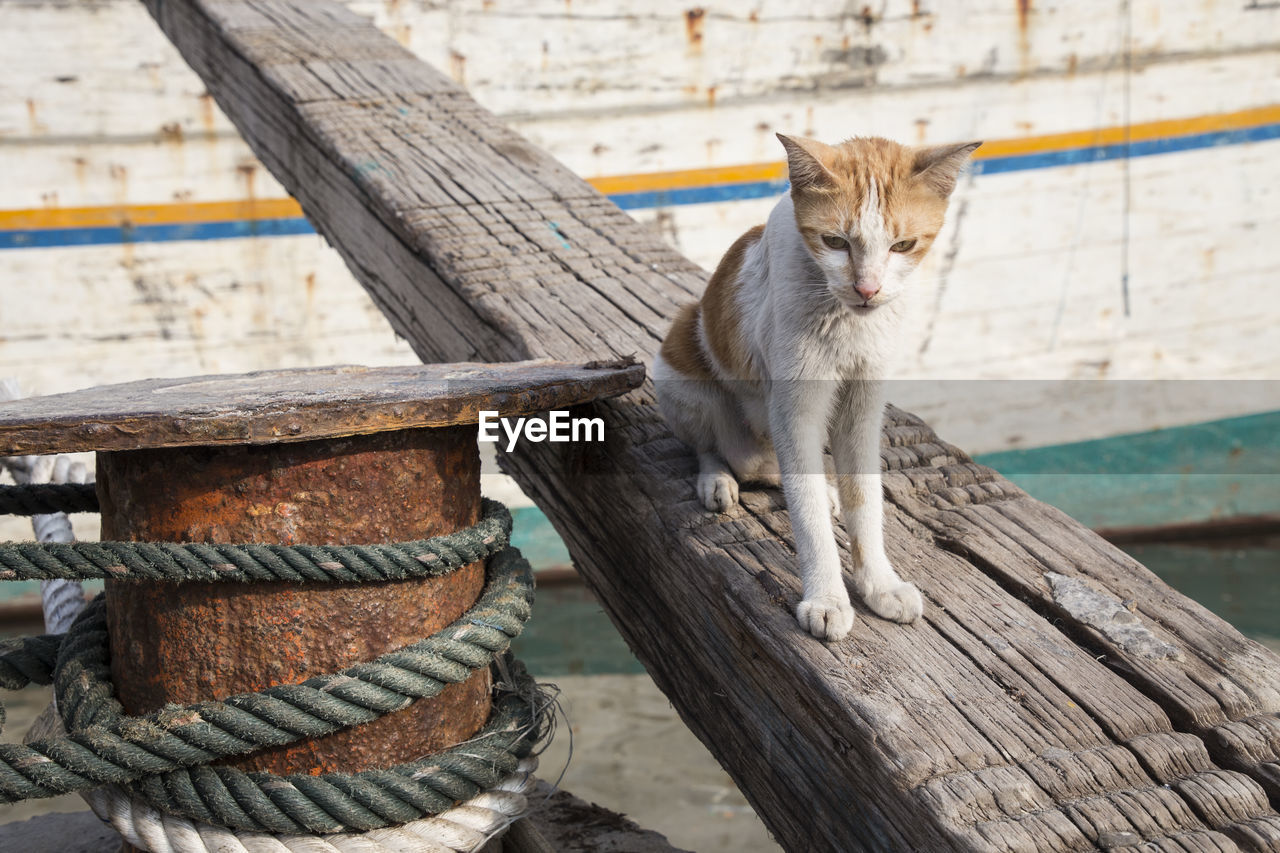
[{"x": 867, "y": 289}]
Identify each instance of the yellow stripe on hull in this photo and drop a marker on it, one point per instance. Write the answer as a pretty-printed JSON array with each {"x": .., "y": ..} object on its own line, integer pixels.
[{"x": 286, "y": 208}]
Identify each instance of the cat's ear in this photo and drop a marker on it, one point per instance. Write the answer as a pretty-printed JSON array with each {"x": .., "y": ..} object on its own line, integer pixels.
[
  {"x": 804, "y": 163},
  {"x": 940, "y": 165}
]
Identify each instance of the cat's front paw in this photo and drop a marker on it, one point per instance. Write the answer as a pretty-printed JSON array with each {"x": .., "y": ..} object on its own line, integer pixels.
[
  {"x": 827, "y": 617},
  {"x": 717, "y": 490},
  {"x": 900, "y": 602}
]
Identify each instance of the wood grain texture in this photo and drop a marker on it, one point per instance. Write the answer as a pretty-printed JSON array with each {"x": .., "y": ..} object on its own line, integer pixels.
[
  {"x": 1001, "y": 721},
  {"x": 301, "y": 404}
]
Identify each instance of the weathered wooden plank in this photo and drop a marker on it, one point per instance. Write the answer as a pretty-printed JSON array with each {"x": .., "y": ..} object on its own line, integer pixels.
[
  {"x": 301, "y": 404},
  {"x": 1173, "y": 649},
  {"x": 989, "y": 725}
]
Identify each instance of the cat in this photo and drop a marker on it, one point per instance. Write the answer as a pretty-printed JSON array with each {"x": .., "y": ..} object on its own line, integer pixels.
[{"x": 787, "y": 349}]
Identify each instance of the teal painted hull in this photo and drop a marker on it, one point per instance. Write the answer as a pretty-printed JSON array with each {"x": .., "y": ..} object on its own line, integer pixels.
[{"x": 1200, "y": 472}]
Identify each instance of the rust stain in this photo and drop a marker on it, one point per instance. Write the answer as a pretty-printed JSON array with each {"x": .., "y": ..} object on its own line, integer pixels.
[
  {"x": 754, "y": 16},
  {"x": 458, "y": 67},
  {"x": 711, "y": 95},
  {"x": 81, "y": 166},
  {"x": 1073, "y": 62},
  {"x": 247, "y": 171},
  {"x": 1024, "y": 37},
  {"x": 922, "y": 125},
  {"x": 1208, "y": 259},
  {"x": 867, "y": 18},
  {"x": 693, "y": 21},
  {"x": 207, "y": 117},
  {"x": 403, "y": 33},
  {"x": 120, "y": 175},
  {"x": 34, "y": 124},
  {"x": 171, "y": 132}
]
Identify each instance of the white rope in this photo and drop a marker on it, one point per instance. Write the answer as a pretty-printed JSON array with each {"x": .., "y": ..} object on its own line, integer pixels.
[
  {"x": 462, "y": 829},
  {"x": 61, "y": 600},
  {"x": 465, "y": 827}
]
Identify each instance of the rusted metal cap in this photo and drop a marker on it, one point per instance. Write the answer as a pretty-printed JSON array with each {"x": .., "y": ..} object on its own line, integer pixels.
[{"x": 272, "y": 406}]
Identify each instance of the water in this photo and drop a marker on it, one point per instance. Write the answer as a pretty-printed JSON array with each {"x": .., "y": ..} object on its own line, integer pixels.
[{"x": 1238, "y": 579}]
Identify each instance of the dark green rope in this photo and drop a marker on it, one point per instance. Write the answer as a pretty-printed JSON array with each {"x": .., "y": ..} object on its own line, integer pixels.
[
  {"x": 165, "y": 756},
  {"x": 106, "y": 747},
  {"x": 48, "y": 498},
  {"x": 28, "y": 660},
  {"x": 170, "y": 561}
]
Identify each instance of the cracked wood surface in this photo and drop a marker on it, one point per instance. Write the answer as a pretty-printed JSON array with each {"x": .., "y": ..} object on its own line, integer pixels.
[
  {"x": 1007, "y": 719},
  {"x": 298, "y": 404}
]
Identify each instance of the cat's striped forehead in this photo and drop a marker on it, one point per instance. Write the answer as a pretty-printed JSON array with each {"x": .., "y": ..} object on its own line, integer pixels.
[
  {"x": 867, "y": 165},
  {"x": 876, "y": 191}
]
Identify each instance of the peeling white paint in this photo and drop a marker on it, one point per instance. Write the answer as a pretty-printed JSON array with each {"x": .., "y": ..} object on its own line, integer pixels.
[{"x": 96, "y": 108}]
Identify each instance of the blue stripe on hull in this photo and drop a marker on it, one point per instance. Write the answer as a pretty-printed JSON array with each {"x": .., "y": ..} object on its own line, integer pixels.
[
  {"x": 45, "y": 238},
  {"x": 97, "y": 236}
]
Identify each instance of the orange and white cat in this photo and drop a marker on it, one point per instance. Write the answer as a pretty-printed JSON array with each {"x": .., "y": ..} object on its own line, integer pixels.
[{"x": 786, "y": 351}]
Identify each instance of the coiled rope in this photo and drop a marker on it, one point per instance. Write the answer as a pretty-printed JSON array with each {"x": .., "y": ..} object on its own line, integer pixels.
[
  {"x": 464, "y": 827},
  {"x": 197, "y": 561},
  {"x": 162, "y": 758}
]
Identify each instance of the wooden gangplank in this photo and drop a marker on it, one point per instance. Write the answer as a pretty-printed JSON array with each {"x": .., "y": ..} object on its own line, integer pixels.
[{"x": 1055, "y": 696}]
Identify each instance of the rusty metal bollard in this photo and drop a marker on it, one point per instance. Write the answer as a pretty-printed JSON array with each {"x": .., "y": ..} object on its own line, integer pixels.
[{"x": 323, "y": 456}]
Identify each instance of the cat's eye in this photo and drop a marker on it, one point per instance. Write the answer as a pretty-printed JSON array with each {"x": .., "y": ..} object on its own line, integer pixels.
[
  {"x": 834, "y": 242},
  {"x": 903, "y": 246}
]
